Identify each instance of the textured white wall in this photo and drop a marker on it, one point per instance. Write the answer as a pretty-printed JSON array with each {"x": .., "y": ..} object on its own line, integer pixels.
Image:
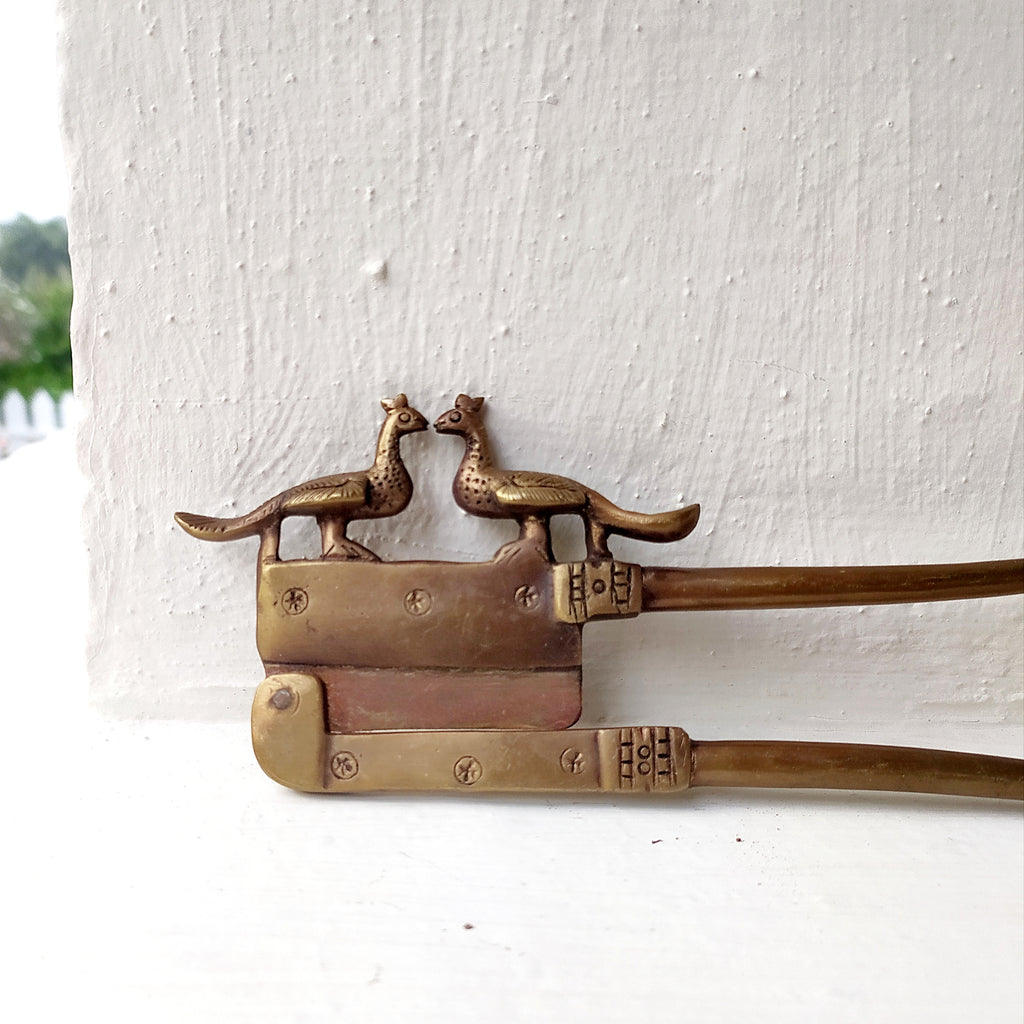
[{"x": 765, "y": 258}]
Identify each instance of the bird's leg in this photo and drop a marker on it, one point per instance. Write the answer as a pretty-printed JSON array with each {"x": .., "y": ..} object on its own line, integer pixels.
[
  {"x": 533, "y": 533},
  {"x": 597, "y": 541},
  {"x": 335, "y": 544},
  {"x": 332, "y": 536},
  {"x": 270, "y": 541}
]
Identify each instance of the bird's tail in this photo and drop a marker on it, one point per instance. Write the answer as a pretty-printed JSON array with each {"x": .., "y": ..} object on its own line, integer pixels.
[
  {"x": 212, "y": 528},
  {"x": 658, "y": 527}
]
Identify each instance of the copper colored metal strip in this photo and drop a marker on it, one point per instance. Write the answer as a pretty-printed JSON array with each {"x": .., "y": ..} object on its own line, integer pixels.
[
  {"x": 793, "y": 765},
  {"x": 818, "y": 587},
  {"x": 374, "y": 700}
]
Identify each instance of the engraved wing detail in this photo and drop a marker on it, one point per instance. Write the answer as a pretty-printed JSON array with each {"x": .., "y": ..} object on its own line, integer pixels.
[
  {"x": 335, "y": 492},
  {"x": 540, "y": 491}
]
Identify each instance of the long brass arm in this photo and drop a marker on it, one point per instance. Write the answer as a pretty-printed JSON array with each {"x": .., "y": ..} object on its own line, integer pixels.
[
  {"x": 794, "y": 765},
  {"x": 823, "y": 586}
]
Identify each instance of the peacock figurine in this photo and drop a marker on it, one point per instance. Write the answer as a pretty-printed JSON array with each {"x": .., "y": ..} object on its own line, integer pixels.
[
  {"x": 483, "y": 489},
  {"x": 384, "y": 489}
]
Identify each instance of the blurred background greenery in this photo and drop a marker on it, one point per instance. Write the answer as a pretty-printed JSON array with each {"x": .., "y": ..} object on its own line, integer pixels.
[{"x": 35, "y": 307}]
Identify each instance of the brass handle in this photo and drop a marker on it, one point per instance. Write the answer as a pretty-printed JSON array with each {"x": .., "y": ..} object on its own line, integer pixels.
[
  {"x": 824, "y": 586},
  {"x": 795, "y": 765}
]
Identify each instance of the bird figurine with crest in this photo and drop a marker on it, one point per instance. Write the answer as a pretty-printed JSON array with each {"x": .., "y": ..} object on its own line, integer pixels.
[
  {"x": 482, "y": 489},
  {"x": 384, "y": 489}
]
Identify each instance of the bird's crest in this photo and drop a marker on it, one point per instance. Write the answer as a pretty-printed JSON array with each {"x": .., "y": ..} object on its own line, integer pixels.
[
  {"x": 467, "y": 404},
  {"x": 391, "y": 404}
]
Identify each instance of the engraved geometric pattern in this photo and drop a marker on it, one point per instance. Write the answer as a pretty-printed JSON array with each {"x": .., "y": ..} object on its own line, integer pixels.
[
  {"x": 621, "y": 586},
  {"x": 602, "y": 590},
  {"x": 646, "y": 759}
]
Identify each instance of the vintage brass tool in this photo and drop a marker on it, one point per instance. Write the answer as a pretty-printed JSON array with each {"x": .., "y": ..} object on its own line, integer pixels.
[{"x": 466, "y": 677}]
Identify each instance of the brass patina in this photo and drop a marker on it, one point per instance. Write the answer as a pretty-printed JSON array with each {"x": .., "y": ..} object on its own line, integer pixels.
[{"x": 466, "y": 677}]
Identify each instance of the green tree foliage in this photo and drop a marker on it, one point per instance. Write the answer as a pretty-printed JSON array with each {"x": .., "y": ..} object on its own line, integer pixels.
[
  {"x": 35, "y": 307},
  {"x": 13, "y": 326},
  {"x": 28, "y": 247},
  {"x": 45, "y": 359}
]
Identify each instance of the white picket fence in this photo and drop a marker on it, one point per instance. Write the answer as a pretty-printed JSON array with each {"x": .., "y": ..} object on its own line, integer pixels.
[{"x": 22, "y": 422}]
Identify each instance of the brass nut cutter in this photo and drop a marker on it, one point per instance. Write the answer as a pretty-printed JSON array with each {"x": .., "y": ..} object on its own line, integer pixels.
[{"x": 466, "y": 677}]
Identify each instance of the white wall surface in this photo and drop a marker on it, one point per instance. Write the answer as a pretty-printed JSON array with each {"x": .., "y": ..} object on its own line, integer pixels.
[{"x": 764, "y": 257}]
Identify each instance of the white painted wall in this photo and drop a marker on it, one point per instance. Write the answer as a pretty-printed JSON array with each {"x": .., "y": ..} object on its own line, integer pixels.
[{"x": 768, "y": 258}]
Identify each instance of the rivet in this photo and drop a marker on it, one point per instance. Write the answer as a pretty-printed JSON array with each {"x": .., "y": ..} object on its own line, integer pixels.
[{"x": 282, "y": 699}]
